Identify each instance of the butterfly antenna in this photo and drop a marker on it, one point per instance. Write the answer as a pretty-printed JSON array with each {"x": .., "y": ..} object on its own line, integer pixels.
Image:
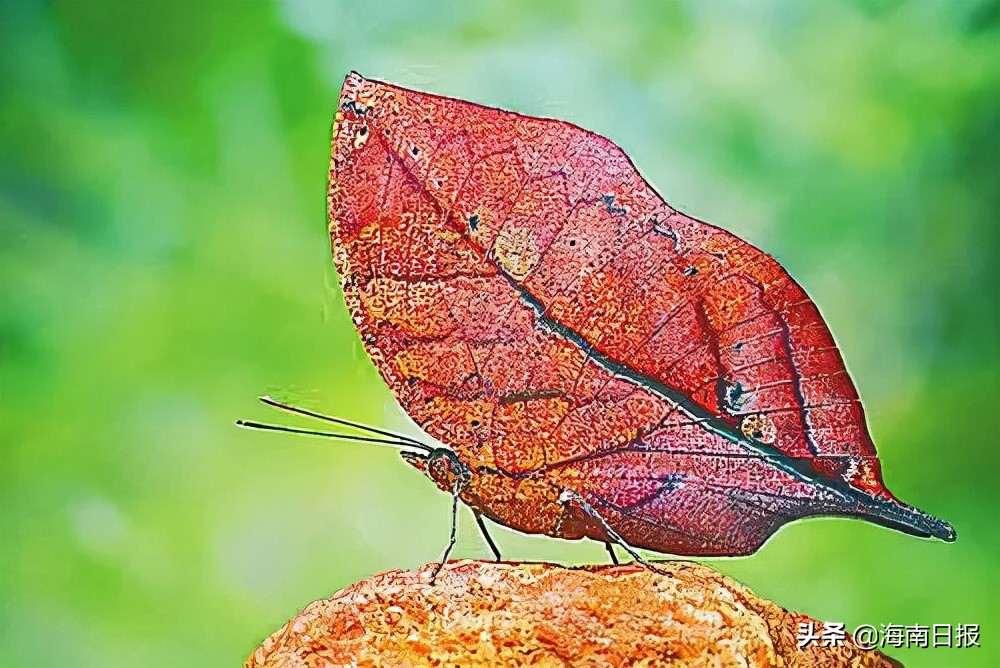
[
  {"x": 396, "y": 443},
  {"x": 341, "y": 421}
]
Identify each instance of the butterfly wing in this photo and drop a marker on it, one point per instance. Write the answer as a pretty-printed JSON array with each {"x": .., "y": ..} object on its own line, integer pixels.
[{"x": 533, "y": 303}]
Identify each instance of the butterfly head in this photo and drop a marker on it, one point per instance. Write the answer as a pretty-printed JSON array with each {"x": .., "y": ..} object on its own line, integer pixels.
[{"x": 442, "y": 466}]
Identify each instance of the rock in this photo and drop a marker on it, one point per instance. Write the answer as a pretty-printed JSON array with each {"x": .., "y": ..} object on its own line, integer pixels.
[{"x": 486, "y": 614}]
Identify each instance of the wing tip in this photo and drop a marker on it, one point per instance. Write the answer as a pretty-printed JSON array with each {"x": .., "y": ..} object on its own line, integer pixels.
[
  {"x": 897, "y": 515},
  {"x": 946, "y": 532},
  {"x": 356, "y": 88},
  {"x": 354, "y": 77}
]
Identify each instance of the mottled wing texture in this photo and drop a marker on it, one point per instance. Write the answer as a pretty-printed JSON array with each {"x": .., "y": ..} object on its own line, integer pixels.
[{"x": 535, "y": 305}]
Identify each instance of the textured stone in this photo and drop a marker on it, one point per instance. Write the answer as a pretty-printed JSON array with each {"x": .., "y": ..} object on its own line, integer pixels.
[{"x": 484, "y": 614}]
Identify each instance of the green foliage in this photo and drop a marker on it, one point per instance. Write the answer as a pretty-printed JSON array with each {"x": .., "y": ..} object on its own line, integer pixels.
[{"x": 163, "y": 260}]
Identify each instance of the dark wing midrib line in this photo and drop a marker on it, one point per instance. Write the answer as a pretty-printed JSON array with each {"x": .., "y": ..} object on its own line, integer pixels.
[
  {"x": 891, "y": 512},
  {"x": 799, "y": 469}
]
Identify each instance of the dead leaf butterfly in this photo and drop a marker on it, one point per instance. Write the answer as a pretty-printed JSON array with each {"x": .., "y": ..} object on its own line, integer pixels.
[{"x": 597, "y": 363}]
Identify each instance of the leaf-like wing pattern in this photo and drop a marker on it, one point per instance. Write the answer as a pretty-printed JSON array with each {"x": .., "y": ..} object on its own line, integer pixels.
[{"x": 536, "y": 306}]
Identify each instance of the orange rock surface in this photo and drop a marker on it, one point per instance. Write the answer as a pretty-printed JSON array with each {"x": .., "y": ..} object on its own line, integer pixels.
[{"x": 490, "y": 614}]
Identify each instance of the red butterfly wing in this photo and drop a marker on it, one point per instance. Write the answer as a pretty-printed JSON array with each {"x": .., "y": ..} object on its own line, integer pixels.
[{"x": 535, "y": 305}]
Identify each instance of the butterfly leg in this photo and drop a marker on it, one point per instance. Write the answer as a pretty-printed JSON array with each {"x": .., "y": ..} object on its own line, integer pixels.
[
  {"x": 611, "y": 551},
  {"x": 451, "y": 538},
  {"x": 487, "y": 537},
  {"x": 568, "y": 495}
]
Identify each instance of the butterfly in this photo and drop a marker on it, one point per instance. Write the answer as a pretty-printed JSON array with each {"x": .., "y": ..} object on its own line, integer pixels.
[{"x": 595, "y": 363}]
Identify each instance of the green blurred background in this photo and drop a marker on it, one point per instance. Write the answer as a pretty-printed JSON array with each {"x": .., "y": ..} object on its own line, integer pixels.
[{"x": 164, "y": 260}]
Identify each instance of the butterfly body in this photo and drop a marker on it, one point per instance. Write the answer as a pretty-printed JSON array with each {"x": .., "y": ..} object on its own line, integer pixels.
[{"x": 595, "y": 361}]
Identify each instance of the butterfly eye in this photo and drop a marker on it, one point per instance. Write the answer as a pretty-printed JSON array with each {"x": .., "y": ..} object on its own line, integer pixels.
[{"x": 473, "y": 222}]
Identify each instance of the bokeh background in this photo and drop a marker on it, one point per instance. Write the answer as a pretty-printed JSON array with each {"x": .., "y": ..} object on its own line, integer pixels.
[{"x": 164, "y": 260}]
